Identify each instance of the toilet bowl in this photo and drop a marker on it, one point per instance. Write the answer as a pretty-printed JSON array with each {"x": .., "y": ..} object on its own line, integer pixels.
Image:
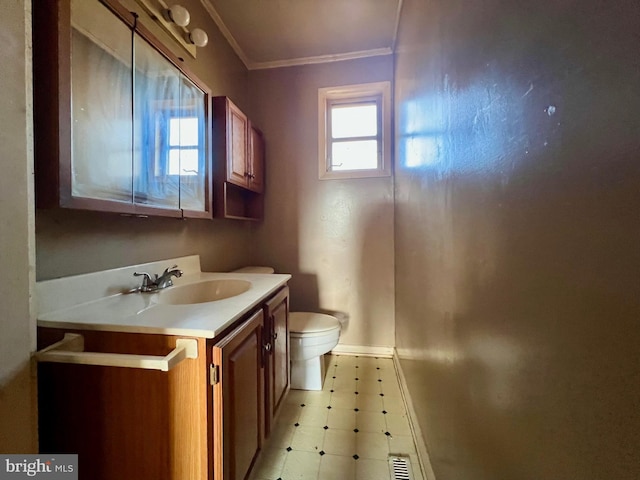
[{"x": 311, "y": 335}]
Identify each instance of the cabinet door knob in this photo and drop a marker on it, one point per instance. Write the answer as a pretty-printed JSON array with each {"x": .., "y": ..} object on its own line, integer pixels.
[{"x": 267, "y": 347}]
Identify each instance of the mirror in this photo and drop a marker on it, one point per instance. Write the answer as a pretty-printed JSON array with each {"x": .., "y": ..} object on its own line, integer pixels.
[{"x": 139, "y": 124}]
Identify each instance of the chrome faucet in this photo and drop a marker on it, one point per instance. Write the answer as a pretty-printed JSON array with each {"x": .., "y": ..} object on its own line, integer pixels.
[
  {"x": 165, "y": 280},
  {"x": 150, "y": 284}
]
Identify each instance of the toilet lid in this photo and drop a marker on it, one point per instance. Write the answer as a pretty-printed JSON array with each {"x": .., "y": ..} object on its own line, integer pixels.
[{"x": 308, "y": 322}]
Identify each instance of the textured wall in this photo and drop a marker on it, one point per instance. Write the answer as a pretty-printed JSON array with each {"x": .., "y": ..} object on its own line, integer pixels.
[
  {"x": 69, "y": 242},
  {"x": 17, "y": 325},
  {"x": 334, "y": 236},
  {"x": 518, "y": 233}
]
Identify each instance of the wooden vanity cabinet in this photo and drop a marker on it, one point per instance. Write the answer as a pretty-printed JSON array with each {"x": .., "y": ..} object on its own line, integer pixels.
[
  {"x": 238, "y": 400},
  {"x": 125, "y": 423},
  {"x": 206, "y": 419},
  {"x": 239, "y": 163},
  {"x": 277, "y": 376}
]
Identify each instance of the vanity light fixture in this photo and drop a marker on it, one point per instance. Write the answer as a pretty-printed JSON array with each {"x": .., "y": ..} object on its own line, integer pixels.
[
  {"x": 198, "y": 37},
  {"x": 174, "y": 20},
  {"x": 178, "y": 15}
]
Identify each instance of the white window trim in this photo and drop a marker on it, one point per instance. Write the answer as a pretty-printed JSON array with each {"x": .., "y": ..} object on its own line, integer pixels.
[{"x": 362, "y": 90}]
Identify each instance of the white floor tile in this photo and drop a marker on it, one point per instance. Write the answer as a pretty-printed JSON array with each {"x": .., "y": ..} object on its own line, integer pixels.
[
  {"x": 313, "y": 416},
  {"x": 368, "y": 372},
  {"x": 397, "y": 424},
  {"x": 281, "y": 435},
  {"x": 317, "y": 453},
  {"x": 342, "y": 418},
  {"x": 295, "y": 397},
  {"x": 401, "y": 445},
  {"x": 393, "y": 405},
  {"x": 301, "y": 466},
  {"x": 369, "y": 402},
  {"x": 366, "y": 361},
  {"x": 371, "y": 422},
  {"x": 335, "y": 467},
  {"x": 289, "y": 414},
  {"x": 372, "y": 445},
  {"x": 339, "y": 442},
  {"x": 388, "y": 375},
  {"x": 269, "y": 464},
  {"x": 317, "y": 398},
  {"x": 344, "y": 384},
  {"x": 369, "y": 469},
  {"x": 369, "y": 386},
  {"x": 390, "y": 389},
  {"x": 343, "y": 360},
  {"x": 308, "y": 439},
  {"x": 343, "y": 400}
]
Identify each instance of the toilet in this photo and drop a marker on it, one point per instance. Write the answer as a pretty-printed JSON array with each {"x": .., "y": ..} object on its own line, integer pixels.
[{"x": 311, "y": 335}]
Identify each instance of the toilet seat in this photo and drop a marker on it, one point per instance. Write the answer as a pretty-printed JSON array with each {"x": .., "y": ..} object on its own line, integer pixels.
[{"x": 309, "y": 324}]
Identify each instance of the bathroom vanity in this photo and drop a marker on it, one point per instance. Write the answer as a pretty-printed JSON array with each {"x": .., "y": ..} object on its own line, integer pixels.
[{"x": 176, "y": 384}]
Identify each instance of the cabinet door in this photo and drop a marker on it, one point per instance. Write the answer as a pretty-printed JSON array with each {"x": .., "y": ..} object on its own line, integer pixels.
[
  {"x": 237, "y": 145},
  {"x": 256, "y": 160},
  {"x": 238, "y": 400},
  {"x": 100, "y": 101},
  {"x": 277, "y": 364},
  {"x": 156, "y": 137},
  {"x": 170, "y": 141}
]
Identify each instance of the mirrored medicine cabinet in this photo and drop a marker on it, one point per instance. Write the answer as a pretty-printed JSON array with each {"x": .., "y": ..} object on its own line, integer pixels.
[{"x": 121, "y": 124}]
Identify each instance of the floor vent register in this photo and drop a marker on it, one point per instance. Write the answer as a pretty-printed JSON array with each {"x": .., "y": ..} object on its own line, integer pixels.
[{"x": 400, "y": 467}]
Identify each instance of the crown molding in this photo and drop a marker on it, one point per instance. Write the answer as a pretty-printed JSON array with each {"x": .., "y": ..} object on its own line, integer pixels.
[{"x": 338, "y": 57}]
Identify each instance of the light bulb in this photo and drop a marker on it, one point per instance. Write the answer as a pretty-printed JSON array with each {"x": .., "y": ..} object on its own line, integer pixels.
[
  {"x": 199, "y": 37},
  {"x": 179, "y": 15}
]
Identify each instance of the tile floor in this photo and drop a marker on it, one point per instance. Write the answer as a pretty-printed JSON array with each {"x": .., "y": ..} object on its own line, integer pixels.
[{"x": 344, "y": 432}]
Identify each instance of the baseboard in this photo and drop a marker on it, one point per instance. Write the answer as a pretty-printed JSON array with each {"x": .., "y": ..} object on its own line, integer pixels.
[
  {"x": 421, "y": 446},
  {"x": 364, "y": 350}
]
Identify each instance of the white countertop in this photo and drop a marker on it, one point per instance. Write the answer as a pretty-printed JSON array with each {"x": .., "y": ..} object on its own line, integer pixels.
[{"x": 141, "y": 313}]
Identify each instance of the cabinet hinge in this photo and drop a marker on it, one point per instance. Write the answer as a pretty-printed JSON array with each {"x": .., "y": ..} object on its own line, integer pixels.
[{"x": 214, "y": 374}]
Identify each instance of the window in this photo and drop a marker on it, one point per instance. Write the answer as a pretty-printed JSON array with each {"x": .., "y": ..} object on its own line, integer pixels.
[
  {"x": 184, "y": 146},
  {"x": 355, "y": 131}
]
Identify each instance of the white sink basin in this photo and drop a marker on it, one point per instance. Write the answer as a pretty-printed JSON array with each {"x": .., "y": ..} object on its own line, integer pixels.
[{"x": 203, "y": 292}]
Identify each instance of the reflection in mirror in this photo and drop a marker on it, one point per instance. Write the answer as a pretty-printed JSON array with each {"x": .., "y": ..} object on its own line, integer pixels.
[
  {"x": 190, "y": 146},
  {"x": 169, "y": 140},
  {"x": 101, "y": 103}
]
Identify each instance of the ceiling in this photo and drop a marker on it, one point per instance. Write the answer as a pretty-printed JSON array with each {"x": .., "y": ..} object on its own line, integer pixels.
[{"x": 278, "y": 33}]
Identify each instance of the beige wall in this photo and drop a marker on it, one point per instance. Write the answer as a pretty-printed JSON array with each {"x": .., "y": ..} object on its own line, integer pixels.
[
  {"x": 17, "y": 326},
  {"x": 518, "y": 234},
  {"x": 334, "y": 236},
  {"x": 70, "y": 242}
]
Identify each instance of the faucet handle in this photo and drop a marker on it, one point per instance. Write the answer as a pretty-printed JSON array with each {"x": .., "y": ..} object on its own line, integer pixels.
[
  {"x": 147, "y": 281},
  {"x": 173, "y": 270}
]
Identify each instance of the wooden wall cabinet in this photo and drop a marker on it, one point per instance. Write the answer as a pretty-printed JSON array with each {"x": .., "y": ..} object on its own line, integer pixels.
[
  {"x": 239, "y": 162},
  {"x": 207, "y": 419},
  {"x": 121, "y": 124}
]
